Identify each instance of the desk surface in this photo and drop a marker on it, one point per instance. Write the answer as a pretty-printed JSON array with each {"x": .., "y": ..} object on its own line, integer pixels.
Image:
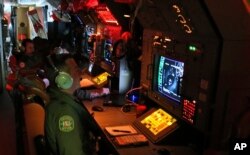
[{"x": 113, "y": 116}]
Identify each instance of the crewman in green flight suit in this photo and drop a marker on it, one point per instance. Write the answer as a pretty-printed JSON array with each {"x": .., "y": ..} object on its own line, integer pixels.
[{"x": 67, "y": 124}]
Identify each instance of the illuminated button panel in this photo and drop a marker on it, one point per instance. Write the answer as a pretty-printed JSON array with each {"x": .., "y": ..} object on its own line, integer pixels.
[
  {"x": 101, "y": 79},
  {"x": 158, "y": 121},
  {"x": 189, "y": 108}
]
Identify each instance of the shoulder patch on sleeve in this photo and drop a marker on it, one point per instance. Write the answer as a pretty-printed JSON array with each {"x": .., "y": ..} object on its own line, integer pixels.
[{"x": 66, "y": 123}]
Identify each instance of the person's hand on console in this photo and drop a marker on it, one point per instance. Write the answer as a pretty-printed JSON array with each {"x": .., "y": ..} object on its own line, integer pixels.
[{"x": 84, "y": 82}]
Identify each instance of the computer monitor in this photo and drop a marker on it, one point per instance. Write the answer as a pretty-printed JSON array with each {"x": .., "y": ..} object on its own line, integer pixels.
[
  {"x": 167, "y": 79},
  {"x": 166, "y": 85},
  {"x": 165, "y": 91}
]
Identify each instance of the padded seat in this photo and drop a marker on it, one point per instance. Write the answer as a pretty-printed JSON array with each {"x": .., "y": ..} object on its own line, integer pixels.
[{"x": 34, "y": 115}]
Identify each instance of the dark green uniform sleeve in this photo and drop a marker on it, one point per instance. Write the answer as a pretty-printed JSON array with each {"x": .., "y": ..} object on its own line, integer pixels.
[
  {"x": 70, "y": 136},
  {"x": 71, "y": 139},
  {"x": 49, "y": 132}
]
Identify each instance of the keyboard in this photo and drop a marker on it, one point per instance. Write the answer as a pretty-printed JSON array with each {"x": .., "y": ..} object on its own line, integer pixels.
[{"x": 135, "y": 139}]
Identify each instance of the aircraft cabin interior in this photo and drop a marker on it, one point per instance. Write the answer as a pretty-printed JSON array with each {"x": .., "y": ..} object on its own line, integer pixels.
[{"x": 153, "y": 77}]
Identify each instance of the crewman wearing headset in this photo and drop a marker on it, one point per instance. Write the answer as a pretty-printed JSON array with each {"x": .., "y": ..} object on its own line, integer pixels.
[
  {"x": 67, "y": 126},
  {"x": 30, "y": 61}
]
